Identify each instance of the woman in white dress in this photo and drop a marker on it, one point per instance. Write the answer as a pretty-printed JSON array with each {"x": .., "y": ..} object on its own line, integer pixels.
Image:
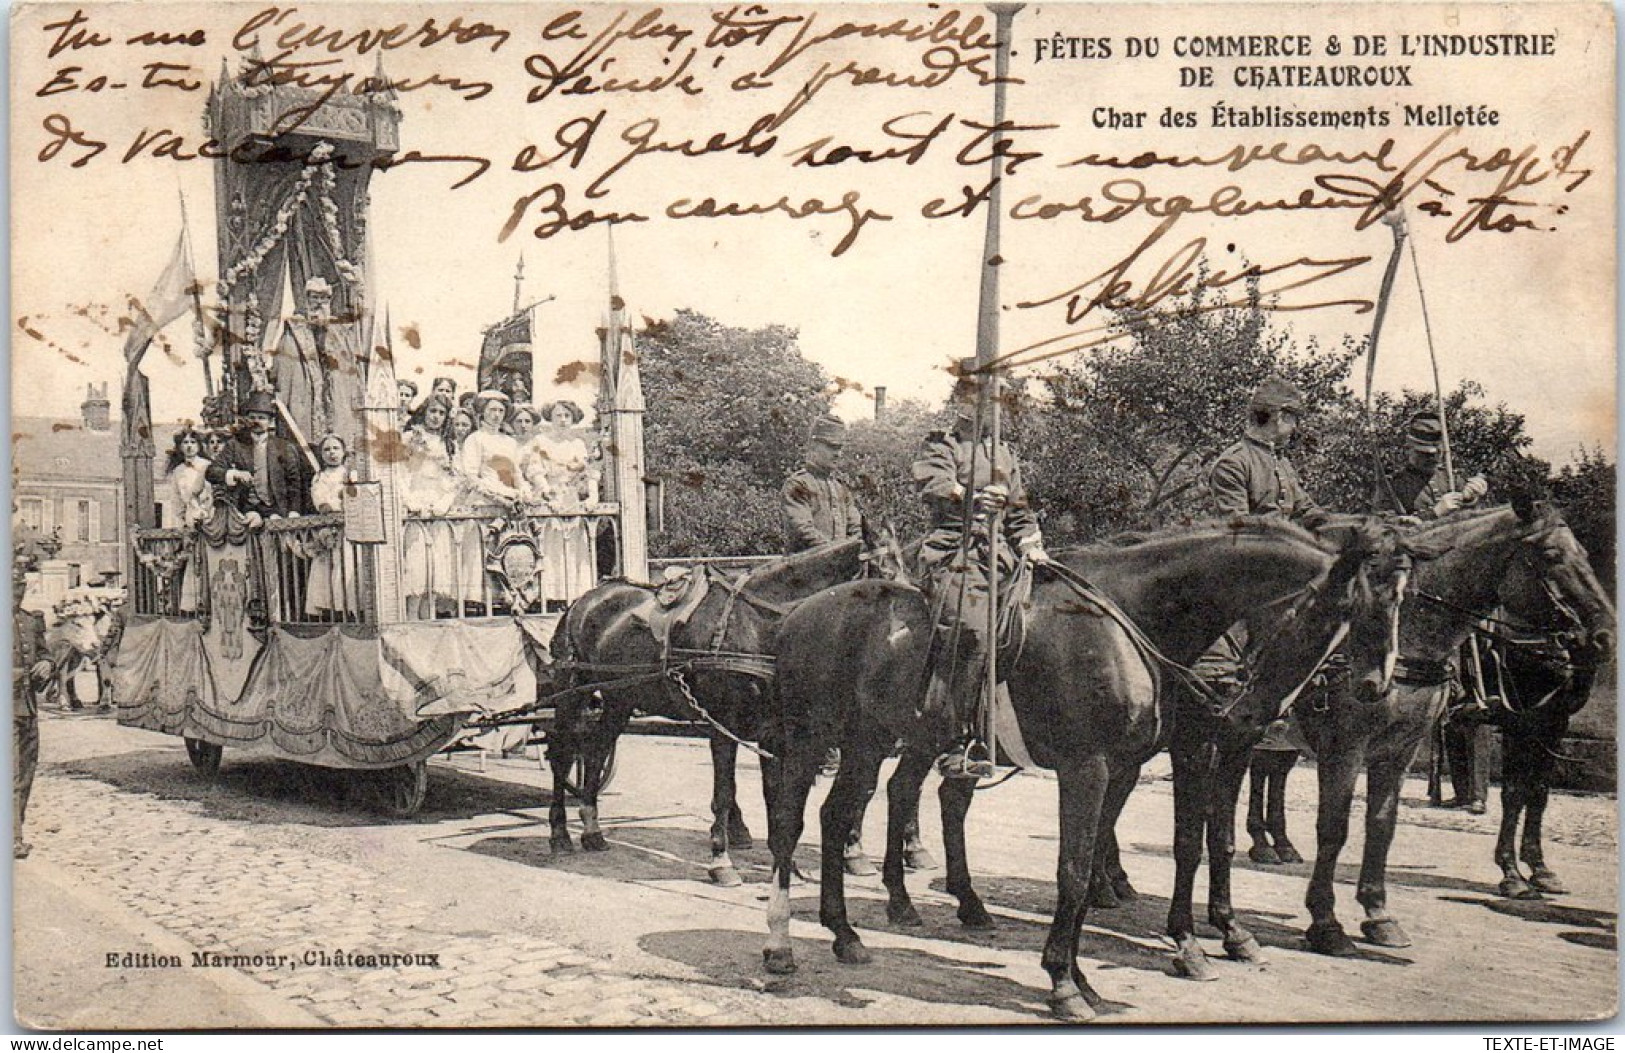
[
  {"x": 194, "y": 502},
  {"x": 489, "y": 457},
  {"x": 430, "y": 489},
  {"x": 332, "y": 592},
  {"x": 561, "y": 473}
]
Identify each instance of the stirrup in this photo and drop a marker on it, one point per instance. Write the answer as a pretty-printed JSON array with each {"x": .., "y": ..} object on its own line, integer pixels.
[{"x": 967, "y": 761}]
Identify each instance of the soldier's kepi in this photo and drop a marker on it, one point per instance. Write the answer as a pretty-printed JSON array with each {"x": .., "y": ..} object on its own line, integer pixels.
[{"x": 969, "y": 485}]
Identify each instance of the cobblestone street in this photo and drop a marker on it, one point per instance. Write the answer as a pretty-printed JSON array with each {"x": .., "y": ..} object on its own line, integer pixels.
[{"x": 275, "y": 870}]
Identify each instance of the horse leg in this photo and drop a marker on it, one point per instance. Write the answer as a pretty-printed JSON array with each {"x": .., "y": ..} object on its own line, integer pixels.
[
  {"x": 1275, "y": 806},
  {"x": 1110, "y": 886},
  {"x": 1083, "y": 791},
  {"x": 915, "y": 854},
  {"x": 1338, "y": 770},
  {"x": 854, "y": 783},
  {"x": 786, "y": 781},
  {"x": 594, "y": 759},
  {"x": 1191, "y": 793},
  {"x": 1541, "y": 876},
  {"x": 563, "y": 747},
  {"x": 1257, "y": 824},
  {"x": 1233, "y": 763},
  {"x": 853, "y": 857},
  {"x": 955, "y": 796},
  {"x": 724, "y": 806},
  {"x": 1383, "y": 779},
  {"x": 1515, "y": 782},
  {"x": 902, "y": 813}
]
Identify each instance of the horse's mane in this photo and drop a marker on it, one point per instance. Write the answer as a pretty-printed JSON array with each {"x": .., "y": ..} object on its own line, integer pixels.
[
  {"x": 1235, "y": 526},
  {"x": 793, "y": 571}
]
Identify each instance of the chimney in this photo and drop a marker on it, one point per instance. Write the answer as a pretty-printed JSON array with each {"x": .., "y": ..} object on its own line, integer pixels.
[
  {"x": 95, "y": 409},
  {"x": 880, "y": 401}
]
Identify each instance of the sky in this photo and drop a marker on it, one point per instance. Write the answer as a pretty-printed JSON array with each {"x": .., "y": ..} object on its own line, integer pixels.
[{"x": 1528, "y": 313}]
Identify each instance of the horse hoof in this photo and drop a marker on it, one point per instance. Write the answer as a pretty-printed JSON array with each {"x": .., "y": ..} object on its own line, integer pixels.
[
  {"x": 918, "y": 859},
  {"x": 1073, "y": 1008},
  {"x": 1125, "y": 890},
  {"x": 1518, "y": 888},
  {"x": 726, "y": 877},
  {"x": 859, "y": 866},
  {"x": 1544, "y": 880},
  {"x": 594, "y": 842},
  {"x": 1102, "y": 896},
  {"x": 1246, "y": 950},
  {"x": 1287, "y": 853},
  {"x": 904, "y": 914},
  {"x": 976, "y": 917},
  {"x": 1264, "y": 854},
  {"x": 851, "y": 951},
  {"x": 560, "y": 844},
  {"x": 779, "y": 962},
  {"x": 1191, "y": 962},
  {"x": 1328, "y": 937},
  {"x": 1384, "y": 932}
]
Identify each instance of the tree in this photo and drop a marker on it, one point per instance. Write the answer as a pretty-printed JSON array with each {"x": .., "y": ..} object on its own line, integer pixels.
[
  {"x": 1337, "y": 457},
  {"x": 877, "y": 465},
  {"x": 1128, "y": 432},
  {"x": 729, "y": 412},
  {"x": 1585, "y": 491}
]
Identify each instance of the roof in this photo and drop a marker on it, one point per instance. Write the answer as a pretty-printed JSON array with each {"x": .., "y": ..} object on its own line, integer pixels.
[
  {"x": 57, "y": 449},
  {"x": 51, "y": 449}
]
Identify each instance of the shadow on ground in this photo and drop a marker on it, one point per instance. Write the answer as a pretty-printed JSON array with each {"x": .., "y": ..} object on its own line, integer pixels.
[
  {"x": 1130, "y": 927},
  {"x": 262, "y": 790},
  {"x": 734, "y": 959},
  {"x": 1404, "y": 875}
]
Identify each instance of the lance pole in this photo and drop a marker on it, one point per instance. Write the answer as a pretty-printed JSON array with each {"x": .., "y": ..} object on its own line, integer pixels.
[{"x": 987, "y": 350}]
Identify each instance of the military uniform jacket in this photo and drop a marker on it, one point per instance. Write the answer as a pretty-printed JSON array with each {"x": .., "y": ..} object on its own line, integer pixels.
[
  {"x": 818, "y": 509},
  {"x": 1253, "y": 478},
  {"x": 947, "y": 469},
  {"x": 28, "y": 647},
  {"x": 1407, "y": 491}
]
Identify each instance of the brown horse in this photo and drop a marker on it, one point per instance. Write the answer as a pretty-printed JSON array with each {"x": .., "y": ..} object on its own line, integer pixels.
[
  {"x": 852, "y": 665},
  {"x": 1451, "y": 594},
  {"x": 1541, "y": 672},
  {"x": 715, "y": 665}
]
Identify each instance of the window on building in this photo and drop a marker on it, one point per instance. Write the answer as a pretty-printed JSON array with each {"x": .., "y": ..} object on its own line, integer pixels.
[
  {"x": 83, "y": 528},
  {"x": 32, "y": 510}
]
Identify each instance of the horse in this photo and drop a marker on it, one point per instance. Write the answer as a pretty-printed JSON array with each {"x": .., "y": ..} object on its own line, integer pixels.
[
  {"x": 1451, "y": 594},
  {"x": 852, "y": 669},
  {"x": 609, "y": 662},
  {"x": 1537, "y": 659}
]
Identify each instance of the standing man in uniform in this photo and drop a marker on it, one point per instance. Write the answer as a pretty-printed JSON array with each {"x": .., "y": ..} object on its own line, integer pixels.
[
  {"x": 818, "y": 507},
  {"x": 966, "y": 484},
  {"x": 1254, "y": 477},
  {"x": 32, "y": 665},
  {"x": 1420, "y": 488}
]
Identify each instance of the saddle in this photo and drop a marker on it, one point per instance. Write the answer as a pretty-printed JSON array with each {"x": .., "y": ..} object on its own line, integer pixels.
[{"x": 676, "y": 599}]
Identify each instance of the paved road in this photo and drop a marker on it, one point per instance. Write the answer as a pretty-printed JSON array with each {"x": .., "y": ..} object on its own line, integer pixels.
[{"x": 275, "y": 866}]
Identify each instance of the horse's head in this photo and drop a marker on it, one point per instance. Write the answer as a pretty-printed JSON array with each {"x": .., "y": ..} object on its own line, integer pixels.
[
  {"x": 1367, "y": 584},
  {"x": 1551, "y": 587},
  {"x": 1353, "y": 605}
]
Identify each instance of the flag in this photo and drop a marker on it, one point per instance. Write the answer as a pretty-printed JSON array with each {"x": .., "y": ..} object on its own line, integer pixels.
[
  {"x": 505, "y": 351},
  {"x": 169, "y": 299}
]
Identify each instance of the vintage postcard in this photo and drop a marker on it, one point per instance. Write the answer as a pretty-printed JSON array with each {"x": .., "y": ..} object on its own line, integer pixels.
[{"x": 752, "y": 514}]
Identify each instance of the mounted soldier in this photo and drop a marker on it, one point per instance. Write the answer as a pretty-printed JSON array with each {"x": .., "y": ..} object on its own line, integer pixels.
[
  {"x": 1420, "y": 488},
  {"x": 819, "y": 507},
  {"x": 973, "y": 488},
  {"x": 1255, "y": 477}
]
